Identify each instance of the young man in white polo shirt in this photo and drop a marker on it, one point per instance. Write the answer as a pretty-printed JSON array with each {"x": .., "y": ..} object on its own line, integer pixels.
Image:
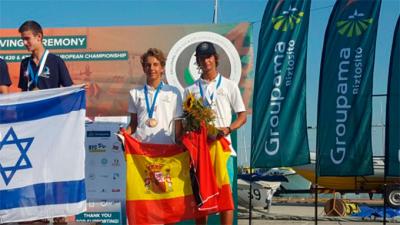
[
  {"x": 154, "y": 106},
  {"x": 223, "y": 96}
]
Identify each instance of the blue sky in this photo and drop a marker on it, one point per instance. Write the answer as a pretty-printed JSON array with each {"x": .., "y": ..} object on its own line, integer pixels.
[{"x": 82, "y": 13}]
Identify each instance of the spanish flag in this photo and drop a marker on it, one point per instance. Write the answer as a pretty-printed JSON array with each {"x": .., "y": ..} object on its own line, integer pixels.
[
  {"x": 158, "y": 183},
  {"x": 209, "y": 159}
]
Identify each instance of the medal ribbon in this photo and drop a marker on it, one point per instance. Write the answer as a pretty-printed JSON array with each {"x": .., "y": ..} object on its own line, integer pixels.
[
  {"x": 150, "y": 110},
  {"x": 34, "y": 77},
  {"x": 209, "y": 102}
]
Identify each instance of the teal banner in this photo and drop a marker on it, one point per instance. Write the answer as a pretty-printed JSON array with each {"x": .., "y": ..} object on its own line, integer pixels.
[
  {"x": 345, "y": 90},
  {"x": 392, "y": 142},
  {"x": 279, "y": 128},
  {"x": 50, "y": 42},
  {"x": 74, "y": 56}
]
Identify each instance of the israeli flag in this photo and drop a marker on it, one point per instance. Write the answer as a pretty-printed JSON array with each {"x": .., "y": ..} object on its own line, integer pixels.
[{"x": 42, "y": 154}]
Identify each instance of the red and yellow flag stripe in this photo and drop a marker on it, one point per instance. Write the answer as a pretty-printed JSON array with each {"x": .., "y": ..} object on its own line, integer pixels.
[{"x": 158, "y": 183}]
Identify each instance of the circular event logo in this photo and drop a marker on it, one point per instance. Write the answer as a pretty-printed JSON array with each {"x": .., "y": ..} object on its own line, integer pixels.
[{"x": 181, "y": 69}]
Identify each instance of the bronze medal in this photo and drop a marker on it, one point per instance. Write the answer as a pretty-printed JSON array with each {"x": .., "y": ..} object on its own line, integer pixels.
[{"x": 151, "y": 122}]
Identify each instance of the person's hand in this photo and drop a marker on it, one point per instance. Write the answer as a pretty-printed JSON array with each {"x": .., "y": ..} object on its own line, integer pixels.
[
  {"x": 86, "y": 86},
  {"x": 120, "y": 135},
  {"x": 121, "y": 130},
  {"x": 224, "y": 131}
]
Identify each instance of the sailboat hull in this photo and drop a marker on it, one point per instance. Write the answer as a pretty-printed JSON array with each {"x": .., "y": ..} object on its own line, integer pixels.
[
  {"x": 262, "y": 192},
  {"x": 356, "y": 184}
]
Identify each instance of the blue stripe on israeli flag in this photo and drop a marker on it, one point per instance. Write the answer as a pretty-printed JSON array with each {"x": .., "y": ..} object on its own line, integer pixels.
[
  {"x": 49, "y": 107},
  {"x": 43, "y": 194},
  {"x": 42, "y": 154}
]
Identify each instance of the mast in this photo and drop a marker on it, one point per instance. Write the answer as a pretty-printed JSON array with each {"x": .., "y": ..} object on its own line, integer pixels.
[{"x": 215, "y": 16}]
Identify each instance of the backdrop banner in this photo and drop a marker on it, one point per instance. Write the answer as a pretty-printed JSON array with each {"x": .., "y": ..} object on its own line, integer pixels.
[
  {"x": 392, "y": 147},
  {"x": 108, "y": 58}
]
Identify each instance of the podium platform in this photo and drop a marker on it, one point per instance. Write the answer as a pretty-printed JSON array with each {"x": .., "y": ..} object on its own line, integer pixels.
[{"x": 51, "y": 223}]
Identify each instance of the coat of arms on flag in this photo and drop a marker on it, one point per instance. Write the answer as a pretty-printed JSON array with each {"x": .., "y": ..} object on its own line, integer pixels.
[
  {"x": 42, "y": 154},
  {"x": 158, "y": 187}
]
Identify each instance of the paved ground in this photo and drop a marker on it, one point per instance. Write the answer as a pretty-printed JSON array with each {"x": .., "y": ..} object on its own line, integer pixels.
[
  {"x": 287, "y": 214},
  {"x": 37, "y": 223},
  {"x": 293, "y": 212},
  {"x": 286, "y": 222}
]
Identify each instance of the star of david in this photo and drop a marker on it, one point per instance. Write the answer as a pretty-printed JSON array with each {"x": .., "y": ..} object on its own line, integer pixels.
[{"x": 23, "y": 162}]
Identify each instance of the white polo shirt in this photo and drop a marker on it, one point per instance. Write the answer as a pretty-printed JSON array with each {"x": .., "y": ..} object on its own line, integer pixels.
[
  {"x": 227, "y": 98},
  {"x": 167, "y": 107}
]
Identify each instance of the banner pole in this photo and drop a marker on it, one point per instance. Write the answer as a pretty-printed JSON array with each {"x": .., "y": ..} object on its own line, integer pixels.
[
  {"x": 251, "y": 195},
  {"x": 316, "y": 189},
  {"x": 384, "y": 199}
]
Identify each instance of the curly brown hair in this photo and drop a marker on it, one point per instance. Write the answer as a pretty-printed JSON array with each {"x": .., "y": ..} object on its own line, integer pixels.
[{"x": 154, "y": 52}]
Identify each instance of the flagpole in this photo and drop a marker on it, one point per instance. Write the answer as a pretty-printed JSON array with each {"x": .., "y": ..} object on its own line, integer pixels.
[
  {"x": 215, "y": 16},
  {"x": 384, "y": 198},
  {"x": 251, "y": 195},
  {"x": 316, "y": 172},
  {"x": 316, "y": 187}
]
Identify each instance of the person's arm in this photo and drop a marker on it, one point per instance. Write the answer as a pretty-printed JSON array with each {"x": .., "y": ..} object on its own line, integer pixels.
[
  {"x": 5, "y": 81},
  {"x": 238, "y": 106},
  {"x": 240, "y": 120},
  {"x": 65, "y": 77},
  {"x": 133, "y": 123},
  {"x": 178, "y": 131},
  {"x": 131, "y": 128},
  {"x": 23, "y": 80},
  {"x": 132, "y": 109},
  {"x": 3, "y": 89},
  {"x": 178, "y": 113}
]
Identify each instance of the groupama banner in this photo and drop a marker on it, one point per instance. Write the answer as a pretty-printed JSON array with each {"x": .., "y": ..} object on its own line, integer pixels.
[
  {"x": 392, "y": 143},
  {"x": 108, "y": 58},
  {"x": 279, "y": 102},
  {"x": 345, "y": 90}
]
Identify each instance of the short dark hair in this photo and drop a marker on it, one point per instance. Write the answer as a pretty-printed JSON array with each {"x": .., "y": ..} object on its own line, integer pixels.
[
  {"x": 31, "y": 25},
  {"x": 154, "y": 52}
]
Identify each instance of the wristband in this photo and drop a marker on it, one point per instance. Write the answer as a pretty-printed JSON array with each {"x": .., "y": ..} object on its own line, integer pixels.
[{"x": 230, "y": 129}]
